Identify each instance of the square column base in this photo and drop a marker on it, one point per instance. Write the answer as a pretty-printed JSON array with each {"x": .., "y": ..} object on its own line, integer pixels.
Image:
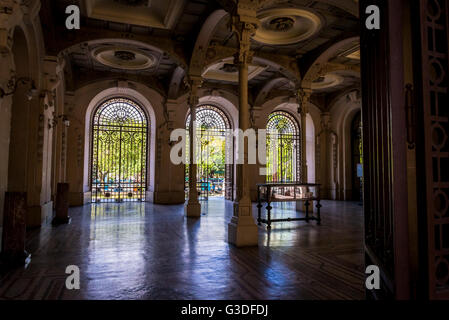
[
  {"x": 242, "y": 230},
  {"x": 39, "y": 215},
  {"x": 192, "y": 210}
]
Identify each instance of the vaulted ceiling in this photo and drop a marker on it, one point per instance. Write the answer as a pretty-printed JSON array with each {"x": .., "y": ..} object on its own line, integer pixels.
[{"x": 152, "y": 40}]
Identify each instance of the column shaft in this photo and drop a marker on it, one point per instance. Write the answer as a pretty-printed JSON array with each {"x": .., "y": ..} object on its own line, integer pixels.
[
  {"x": 242, "y": 230},
  {"x": 193, "y": 206}
]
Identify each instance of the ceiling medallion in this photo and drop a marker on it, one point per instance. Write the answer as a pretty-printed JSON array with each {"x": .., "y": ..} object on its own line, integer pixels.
[
  {"x": 285, "y": 26},
  {"x": 282, "y": 24},
  {"x": 319, "y": 80},
  {"x": 226, "y": 70},
  {"x": 124, "y": 58},
  {"x": 125, "y": 55}
]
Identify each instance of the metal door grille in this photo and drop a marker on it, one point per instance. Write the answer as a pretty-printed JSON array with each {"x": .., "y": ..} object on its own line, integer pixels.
[
  {"x": 214, "y": 177},
  {"x": 283, "y": 148},
  {"x": 119, "y": 152},
  {"x": 433, "y": 143}
]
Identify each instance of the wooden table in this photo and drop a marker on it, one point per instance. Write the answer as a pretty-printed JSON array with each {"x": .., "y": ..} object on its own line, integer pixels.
[{"x": 288, "y": 192}]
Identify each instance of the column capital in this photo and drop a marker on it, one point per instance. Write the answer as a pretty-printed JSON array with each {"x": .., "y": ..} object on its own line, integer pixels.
[
  {"x": 326, "y": 120},
  {"x": 303, "y": 98},
  {"x": 53, "y": 72},
  {"x": 193, "y": 83},
  {"x": 245, "y": 24}
]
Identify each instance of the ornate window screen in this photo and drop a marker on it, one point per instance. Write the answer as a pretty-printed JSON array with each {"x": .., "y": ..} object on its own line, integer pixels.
[
  {"x": 214, "y": 178},
  {"x": 283, "y": 148},
  {"x": 119, "y": 152}
]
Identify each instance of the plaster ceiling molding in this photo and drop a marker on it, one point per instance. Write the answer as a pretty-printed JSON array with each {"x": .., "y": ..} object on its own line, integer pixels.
[
  {"x": 284, "y": 26},
  {"x": 327, "y": 81},
  {"x": 226, "y": 70},
  {"x": 353, "y": 52},
  {"x": 354, "y": 56},
  {"x": 161, "y": 14},
  {"x": 124, "y": 58}
]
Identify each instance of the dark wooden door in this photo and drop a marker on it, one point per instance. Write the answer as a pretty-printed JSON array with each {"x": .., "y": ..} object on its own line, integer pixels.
[
  {"x": 431, "y": 75},
  {"x": 384, "y": 148}
]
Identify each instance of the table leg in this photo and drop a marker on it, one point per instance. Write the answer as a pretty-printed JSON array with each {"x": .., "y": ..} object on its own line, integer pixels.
[
  {"x": 259, "y": 213},
  {"x": 307, "y": 204},
  {"x": 269, "y": 207},
  {"x": 318, "y": 207}
]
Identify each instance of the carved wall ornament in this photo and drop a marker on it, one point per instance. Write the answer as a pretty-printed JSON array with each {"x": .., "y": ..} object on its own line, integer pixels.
[{"x": 303, "y": 99}]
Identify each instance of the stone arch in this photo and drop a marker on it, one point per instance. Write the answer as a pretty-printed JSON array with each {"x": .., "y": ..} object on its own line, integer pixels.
[
  {"x": 175, "y": 83},
  {"x": 263, "y": 94},
  {"x": 312, "y": 125},
  {"x": 25, "y": 169},
  {"x": 228, "y": 104},
  {"x": 319, "y": 64},
  {"x": 342, "y": 114},
  {"x": 202, "y": 43},
  {"x": 82, "y": 105}
]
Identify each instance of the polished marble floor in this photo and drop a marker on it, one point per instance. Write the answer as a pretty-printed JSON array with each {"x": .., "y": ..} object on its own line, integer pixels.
[{"x": 146, "y": 251}]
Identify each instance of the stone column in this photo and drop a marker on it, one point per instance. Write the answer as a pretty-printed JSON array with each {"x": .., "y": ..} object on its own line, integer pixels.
[
  {"x": 323, "y": 155},
  {"x": 242, "y": 230},
  {"x": 303, "y": 98},
  {"x": 43, "y": 121},
  {"x": 60, "y": 122},
  {"x": 10, "y": 15},
  {"x": 193, "y": 206}
]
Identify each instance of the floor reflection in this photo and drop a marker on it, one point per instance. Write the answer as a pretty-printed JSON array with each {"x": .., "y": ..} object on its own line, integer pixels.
[{"x": 146, "y": 251}]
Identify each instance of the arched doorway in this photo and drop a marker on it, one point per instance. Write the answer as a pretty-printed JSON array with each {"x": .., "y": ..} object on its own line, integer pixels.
[
  {"x": 357, "y": 158},
  {"x": 283, "y": 148},
  {"x": 214, "y": 173},
  {"x": 119, "y": 152}
]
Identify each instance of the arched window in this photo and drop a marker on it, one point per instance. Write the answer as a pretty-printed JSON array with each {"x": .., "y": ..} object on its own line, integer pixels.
[
  {"x": 214, "y": 175},
  {"x": 119, "y": 152},
  {"x": 283, "y": 148}
]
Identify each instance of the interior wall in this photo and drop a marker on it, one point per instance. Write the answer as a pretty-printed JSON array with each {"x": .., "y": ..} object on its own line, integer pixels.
[
  {"x": 310, "y": 149},
  {"x": 26, "y": 156},
  {"x": 18, "y": 157},
  {"x": 7, "y": 64},
  {"x": 312, "y": 122},
  {"x": 342, "y": 114},
  {"x": 80, "y": 107}
]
